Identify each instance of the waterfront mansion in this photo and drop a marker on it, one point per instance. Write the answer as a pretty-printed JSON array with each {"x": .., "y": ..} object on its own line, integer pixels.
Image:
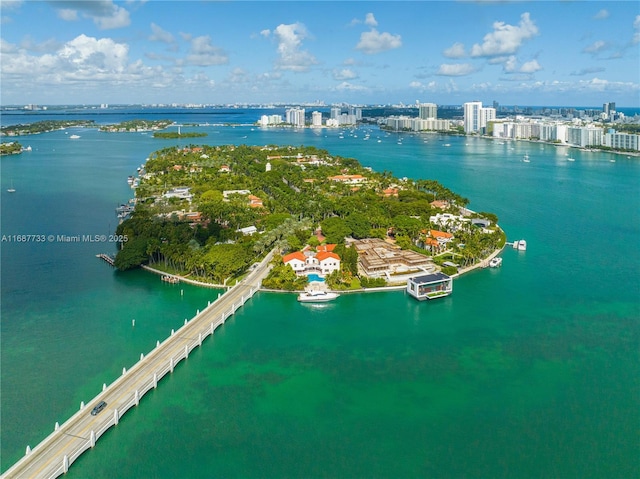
[{"x": 322, "y": 262}]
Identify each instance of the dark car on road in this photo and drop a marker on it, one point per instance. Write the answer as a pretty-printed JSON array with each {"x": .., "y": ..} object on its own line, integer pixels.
[{"x": 100, "y": 406}]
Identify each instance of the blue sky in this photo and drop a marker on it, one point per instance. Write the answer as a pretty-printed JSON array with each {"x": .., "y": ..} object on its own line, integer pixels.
[{"x": 211, "y": 52}]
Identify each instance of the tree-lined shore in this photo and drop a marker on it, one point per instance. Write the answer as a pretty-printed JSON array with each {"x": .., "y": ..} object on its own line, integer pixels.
[{"x": 210, "y": 212}]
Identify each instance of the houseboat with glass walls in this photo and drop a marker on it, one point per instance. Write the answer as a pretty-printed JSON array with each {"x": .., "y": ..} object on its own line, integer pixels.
[{"x": 430, "y": 286}]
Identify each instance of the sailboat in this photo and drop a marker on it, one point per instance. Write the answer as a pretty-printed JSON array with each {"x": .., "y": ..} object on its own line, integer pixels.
[
  {"x": 12, "y": 189},
  {"x": 526, "y": 158}
]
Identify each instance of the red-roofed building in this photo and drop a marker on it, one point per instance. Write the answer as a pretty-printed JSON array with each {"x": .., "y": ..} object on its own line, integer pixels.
[
  {"x": 348, "y": 179},
  {"x": 328, "y": 261},
  {"x": 297, "y": 260},
  {"x": 255, "y": 202},
  {"x": 441, "y": 236},
  {"x": 321, "y": 263},
  {"x": 440, "y": 204},
  {"x": 325, "y": 247}
]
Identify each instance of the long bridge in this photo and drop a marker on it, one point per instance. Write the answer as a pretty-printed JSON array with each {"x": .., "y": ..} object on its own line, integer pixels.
[{"x": 53, "y": 456}]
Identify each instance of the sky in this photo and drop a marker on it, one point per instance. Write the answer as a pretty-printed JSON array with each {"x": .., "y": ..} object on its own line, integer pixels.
[{"x": 543, "y": 53}]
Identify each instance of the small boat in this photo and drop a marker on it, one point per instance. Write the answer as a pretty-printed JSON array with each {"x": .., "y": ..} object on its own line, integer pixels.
[
  {"x": 526, "y": 158},
  {"x": 74, "y": 137},
  {"x": 495, "y": 262},
  {"x": 170, "y": 279},
  {"x": 571, "y": 159},
  {"x": 12, "y": 189},
  {"x": 317, "y": 296},
  {"x": 522, "y": 245}
]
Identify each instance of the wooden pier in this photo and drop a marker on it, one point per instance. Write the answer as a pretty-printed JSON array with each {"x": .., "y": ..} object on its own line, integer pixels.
[
  {"x": 53, "y": 456},
  {"x": 107, "y": 258}
]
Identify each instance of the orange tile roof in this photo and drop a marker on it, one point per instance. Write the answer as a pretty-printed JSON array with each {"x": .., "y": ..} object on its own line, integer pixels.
[
  {"x": 327, "y": 254},
  {"x": 440, "y": 234},
  {"x": 295, "y": 255},
  {"x": 326, "y": 247}
]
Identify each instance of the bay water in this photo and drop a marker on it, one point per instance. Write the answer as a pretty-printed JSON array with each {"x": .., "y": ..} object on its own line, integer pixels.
[{"x": 529, "y": 370}]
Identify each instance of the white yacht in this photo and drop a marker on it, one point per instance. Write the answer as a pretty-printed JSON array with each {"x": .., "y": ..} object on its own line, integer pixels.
[
  {"x": 495, "y": 262},
  {"x": 317, "y": 296},
  {"x": 522, "y": 245}
]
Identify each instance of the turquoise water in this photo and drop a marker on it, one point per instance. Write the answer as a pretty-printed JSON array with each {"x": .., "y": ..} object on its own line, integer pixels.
[
  {"x": 529, "y": 370},
  {"x": 315, "y": 277}
]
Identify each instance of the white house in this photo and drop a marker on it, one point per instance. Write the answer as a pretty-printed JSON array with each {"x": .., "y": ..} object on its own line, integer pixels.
[{"x": 322, "y": 263}]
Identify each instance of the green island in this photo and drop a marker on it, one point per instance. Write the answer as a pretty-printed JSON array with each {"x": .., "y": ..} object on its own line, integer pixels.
[
  {"x": 210, "y": 212},
  {"x": 136, "y": 126},
  {"x": 43, "y": 127},
  {"x": 177, "y": 134},
  {"x": 10, "y": 148}
]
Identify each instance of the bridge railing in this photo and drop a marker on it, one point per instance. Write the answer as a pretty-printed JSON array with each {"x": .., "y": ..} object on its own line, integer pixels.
[{"x": 151, "y": 383}]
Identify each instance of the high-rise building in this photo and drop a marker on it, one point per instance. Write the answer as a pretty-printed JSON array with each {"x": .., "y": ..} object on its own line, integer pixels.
[
  {"x": 295, "y": 116},
  {"x": 476, "y": 117},
  {"x": 609, "y": 110},
  {"x": 316, "y": 119},
  {"x": 472, "y": 116},
  {"x": 427, "y": 110},
  {"x": 335, "y": 113},
  {"x": 487, "y": 115}
]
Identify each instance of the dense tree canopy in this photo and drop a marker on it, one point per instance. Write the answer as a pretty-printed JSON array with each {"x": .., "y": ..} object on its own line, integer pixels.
[{"x": 285, "y": 193}]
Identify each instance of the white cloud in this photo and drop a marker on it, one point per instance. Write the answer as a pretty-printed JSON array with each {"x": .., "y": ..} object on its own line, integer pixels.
[
  {"x": 203, "y": 53},
  {"x": 510, "y": 64},
  {"x": 83, "y": 57},
  {"x": 104, "y": 13},
  {"x": 455, "y": 51},
  {"x": 530, "y": 67},
  {"x": 421, "y": 87},
  {"x": 587, "y": 71},
  {"x": 344, "y": 74},
  {"x": 90, "y": 54},
  {"x": 346, "y": 86},
  {"x": 596, "y": 47},
  {"x": 291, "y": 57},
  {"x": 601, "y": 15},
  {"x": 505, "y": 39},
  {"x": 160, "y": 35},
  {"x": 372, "y": 42},
  {"x": 370, "y": 20},
  {"x": 636, "y": 27},
  {"x": 68, "y": 15},
  {"x": 455, "y": 69},
  {"x": 6, "y": 47}
]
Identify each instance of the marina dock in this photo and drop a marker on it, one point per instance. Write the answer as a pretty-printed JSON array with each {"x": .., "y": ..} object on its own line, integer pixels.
[
  {"x": 107, "y": 258},
  {"x": 55, "y": 454}
]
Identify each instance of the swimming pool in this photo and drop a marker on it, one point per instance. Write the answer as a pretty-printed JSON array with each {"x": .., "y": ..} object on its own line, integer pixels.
[{"x": 314, "y": 277}]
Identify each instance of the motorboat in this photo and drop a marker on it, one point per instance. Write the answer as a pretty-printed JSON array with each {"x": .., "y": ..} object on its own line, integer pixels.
[
  {"x": 522, "y": 245},
  {"x": 495, "y": 262},
  {"x": 317, "y": 296}
]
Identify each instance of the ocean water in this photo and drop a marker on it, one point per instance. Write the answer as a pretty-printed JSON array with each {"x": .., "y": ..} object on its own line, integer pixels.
[{"x": 530, "y": 370}]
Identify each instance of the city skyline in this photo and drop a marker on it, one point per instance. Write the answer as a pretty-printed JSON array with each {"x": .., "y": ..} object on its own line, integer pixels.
[{"x": 525, "y": 53}]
